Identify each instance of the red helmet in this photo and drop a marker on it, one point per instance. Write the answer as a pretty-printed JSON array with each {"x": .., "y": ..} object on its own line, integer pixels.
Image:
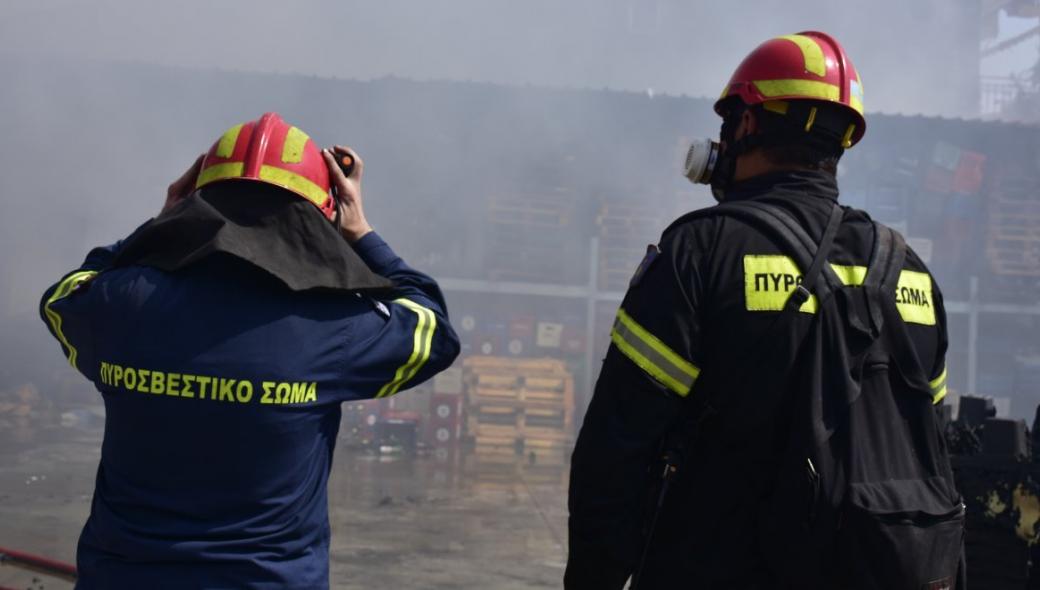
[
  {"x": 809, "y": 65},
  {"x": 272, "y": 151}
]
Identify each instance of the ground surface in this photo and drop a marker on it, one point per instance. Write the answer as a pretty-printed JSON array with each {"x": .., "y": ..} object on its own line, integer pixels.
[{"x": 434, "y": 521}]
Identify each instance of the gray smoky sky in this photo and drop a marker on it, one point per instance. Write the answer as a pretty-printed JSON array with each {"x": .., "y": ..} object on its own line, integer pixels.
[
  {"x": 914, "y": 56},
  {"x": 105, "y": 102}
]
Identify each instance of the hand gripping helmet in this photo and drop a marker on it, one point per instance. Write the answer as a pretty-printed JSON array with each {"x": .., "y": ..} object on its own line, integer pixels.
[
  {"x": 272, "y": 151},
  {"x": 806, "y": 66}
]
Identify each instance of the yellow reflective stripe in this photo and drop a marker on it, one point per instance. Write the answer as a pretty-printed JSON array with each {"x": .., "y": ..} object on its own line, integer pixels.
[
  {"x": 800, "y": 88},
  {"x": 815, "y": 62},
  {"x": 60, "y": 292},
  {"x": 422, "y": 344},
  {"x": 914, "y": 298},
  {"x": 226, "y": 143},
  {"x": 219, "y": 172},
  {"x": 652, "y": 355},
  {"x": 938, "y": 386},
  {"x": 856, "y": 103},
  {"x": 856, "y": 94},
  {"x": 850, "y": 275},
  {"x": 296, "y": 183},
  {"x": 769, "y": 280},
  {"x": 292, "y": 149}
]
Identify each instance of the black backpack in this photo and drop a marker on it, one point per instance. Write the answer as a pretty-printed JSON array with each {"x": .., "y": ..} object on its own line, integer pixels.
[{"x": 863, "y": 495}]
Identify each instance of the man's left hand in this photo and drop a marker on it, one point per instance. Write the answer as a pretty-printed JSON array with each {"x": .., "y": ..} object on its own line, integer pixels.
[{"x": 183, "y": 186}]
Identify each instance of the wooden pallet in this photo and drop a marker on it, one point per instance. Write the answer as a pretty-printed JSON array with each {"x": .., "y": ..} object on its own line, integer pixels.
[
  {"x": 546, "y": 395},
  {"x": 495, "y": 443},
  {"x": 492, "y": 393},
  {"x": 497, "y": 380},
  {"x": 505, "y": 365},
  {"x": 496, "y": 431},
  {"x": 529, "y": 211},
  {"x": 627, "y": 209},
  {"x": 546, "y": 434},
  {"x": 517, "y": 397},
  {"x": 543, "y": 418},
  {"x": 1017, "y": 269},
  {"x": 496, "y": 414},
  {"x": 1014, "y": 255},
  {"x": 556, "y": 457}
]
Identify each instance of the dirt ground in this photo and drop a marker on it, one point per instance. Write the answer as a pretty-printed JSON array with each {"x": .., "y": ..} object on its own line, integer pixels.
[{"x": 437, "y": 520}]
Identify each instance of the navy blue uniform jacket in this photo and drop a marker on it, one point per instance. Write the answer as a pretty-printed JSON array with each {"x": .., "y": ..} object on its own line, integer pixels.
[{"x": 222, "y": 389}]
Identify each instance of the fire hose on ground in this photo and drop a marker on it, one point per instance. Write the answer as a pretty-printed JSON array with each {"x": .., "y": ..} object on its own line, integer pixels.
[{"x": 38, "y": 564}]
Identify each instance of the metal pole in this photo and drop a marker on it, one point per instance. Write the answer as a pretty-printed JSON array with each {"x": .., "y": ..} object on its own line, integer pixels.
[
  {"x": 973, "y": 335},
  {"x": 590, "y": 328}
]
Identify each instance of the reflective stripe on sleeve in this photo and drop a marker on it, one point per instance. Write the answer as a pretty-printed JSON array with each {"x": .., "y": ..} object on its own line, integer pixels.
[
  {"x": 938, "y": 386},
  {"x": 653, "y": 356},
  {"x": 422, "y": 343},
  {"x": 65, "y": 287}
]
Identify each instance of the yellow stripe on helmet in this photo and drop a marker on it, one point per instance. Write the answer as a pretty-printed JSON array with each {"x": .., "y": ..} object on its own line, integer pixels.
[
  {"x": 292, "y": 150},
  {"x": 856, "y": 104},
  {"x": 798, "y": 88},
  {"x": 219, "y": 172},
  {"x": 226, "y": 144},
  {"x": 815, "y": 62},
  {"x": 298, "y": 184}
]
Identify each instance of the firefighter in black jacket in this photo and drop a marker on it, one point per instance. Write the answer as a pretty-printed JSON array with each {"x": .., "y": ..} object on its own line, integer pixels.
[{"x": 706, "y": 293}]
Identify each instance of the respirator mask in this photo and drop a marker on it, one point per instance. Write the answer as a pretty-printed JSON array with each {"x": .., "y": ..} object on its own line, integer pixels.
[
  {"x": 701, "y": 161},
  {"x": 708, "y": 162},
  {"x": 825, "y": 133}
]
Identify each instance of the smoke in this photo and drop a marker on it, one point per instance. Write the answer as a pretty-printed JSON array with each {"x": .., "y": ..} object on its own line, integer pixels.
[
  {"x": 455, "y": 106},
  {"x": 106, "y": 102},
  {"x": 915, "y": 57}
]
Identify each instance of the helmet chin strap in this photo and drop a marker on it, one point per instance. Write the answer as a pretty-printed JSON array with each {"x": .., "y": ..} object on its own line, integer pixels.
[{"x": 335, "y": 211}]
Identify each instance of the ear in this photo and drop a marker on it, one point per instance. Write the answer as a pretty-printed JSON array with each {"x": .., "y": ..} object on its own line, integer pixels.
[{"x": 748, "y": 123}]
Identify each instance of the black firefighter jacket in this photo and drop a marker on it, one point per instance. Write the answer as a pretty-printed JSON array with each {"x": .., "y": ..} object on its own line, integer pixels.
[{"x": 707, "y": 292}]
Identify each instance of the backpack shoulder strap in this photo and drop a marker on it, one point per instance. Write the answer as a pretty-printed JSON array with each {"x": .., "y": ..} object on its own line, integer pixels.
[
  {"x": 887, "y": 258},
  {"x": 792, "y": 239},
  {"x": 897, "y": 336}
]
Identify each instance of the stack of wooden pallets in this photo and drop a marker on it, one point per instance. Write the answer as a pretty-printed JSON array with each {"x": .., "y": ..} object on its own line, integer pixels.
[
  {"x": 526, "y": 234},
  {"x": 1013, "y": 244},
  {"x": 519, "y": 406},
  {"x": 625, "y": 230}
]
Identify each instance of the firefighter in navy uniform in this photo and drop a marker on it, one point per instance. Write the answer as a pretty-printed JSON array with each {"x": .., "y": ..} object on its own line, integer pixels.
[
  {"x": 702, "y": 296},
  {"x": 223, "y": 336}
]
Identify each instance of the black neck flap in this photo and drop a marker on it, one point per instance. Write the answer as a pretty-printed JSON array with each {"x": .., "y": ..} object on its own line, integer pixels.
[{"x": 273, "y": 231}]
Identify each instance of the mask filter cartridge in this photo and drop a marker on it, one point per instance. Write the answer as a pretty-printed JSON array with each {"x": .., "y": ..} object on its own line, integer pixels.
[{"x": 701, "y": 160}]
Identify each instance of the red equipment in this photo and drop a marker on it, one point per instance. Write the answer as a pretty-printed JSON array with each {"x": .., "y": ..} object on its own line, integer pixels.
[
  {"x": 444, "y": 427},
  {"x": 38, "y": 564},
  {"x": 272, "y": 151},
  {"x": 810, "y": 65}
]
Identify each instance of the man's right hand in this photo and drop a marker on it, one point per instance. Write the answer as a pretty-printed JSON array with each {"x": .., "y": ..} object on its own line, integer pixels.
[{"x": 352, "y": 223}]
